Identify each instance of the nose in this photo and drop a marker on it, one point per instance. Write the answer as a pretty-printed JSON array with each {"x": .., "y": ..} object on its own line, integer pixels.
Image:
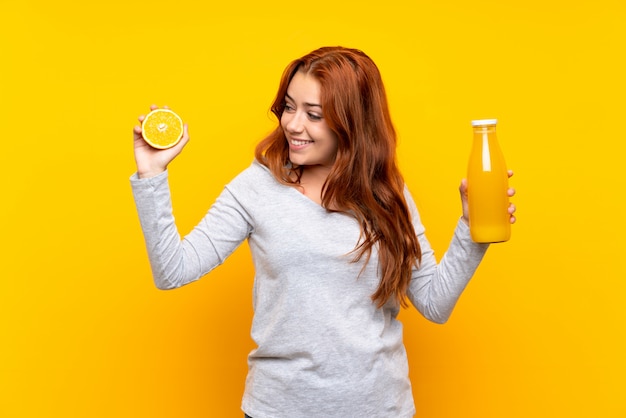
[{"x": 293, "y": 122}]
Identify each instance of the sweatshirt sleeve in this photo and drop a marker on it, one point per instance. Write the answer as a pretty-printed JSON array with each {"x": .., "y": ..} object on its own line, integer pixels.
[
  {"x": 177, "y": 262},
  {"x": 436, "y": 287}
]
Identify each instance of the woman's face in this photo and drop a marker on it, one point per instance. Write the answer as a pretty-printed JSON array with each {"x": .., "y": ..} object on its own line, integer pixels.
[{"x": 311, "y": 141}]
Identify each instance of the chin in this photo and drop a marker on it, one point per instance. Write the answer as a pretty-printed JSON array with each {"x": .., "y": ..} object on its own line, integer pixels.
[{"x": 297, "y": 160}]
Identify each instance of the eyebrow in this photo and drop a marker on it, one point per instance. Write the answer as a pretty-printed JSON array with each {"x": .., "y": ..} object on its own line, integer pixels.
[{"x": 307, "y": 104}]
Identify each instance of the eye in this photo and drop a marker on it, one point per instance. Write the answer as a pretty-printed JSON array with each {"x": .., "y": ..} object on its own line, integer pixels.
[
  {"x": 314, "y": 116},
  {"x": 288, "y": 107}
]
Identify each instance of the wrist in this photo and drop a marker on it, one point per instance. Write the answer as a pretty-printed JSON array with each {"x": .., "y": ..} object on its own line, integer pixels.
[{"x": 146, "y": 174}]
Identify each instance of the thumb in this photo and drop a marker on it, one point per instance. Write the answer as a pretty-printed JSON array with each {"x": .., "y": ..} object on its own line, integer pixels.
[
  {"x": 463, "y": 188},
  {"x": 183, "y": 141}
]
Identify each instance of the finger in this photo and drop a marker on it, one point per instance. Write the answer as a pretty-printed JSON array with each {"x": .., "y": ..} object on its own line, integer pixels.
[
  {"x": 510, "y": 192},
  {"x": 137, "y": 130},
  {"x": 153, "y": 107},
  {"x": 512, "y": 219},
  {"x": 510, "y": 173},
  {"x": 166, "y": 107},
  {"x": 141, "y": 118},
  {"x": 512, "y": 208}
]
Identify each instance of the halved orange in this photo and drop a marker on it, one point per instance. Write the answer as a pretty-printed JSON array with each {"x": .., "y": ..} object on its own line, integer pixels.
[{"x": 162, "y": 128}]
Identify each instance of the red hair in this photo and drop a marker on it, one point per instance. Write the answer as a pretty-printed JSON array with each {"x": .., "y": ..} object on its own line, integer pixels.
[{"x": 365, "y": 179}]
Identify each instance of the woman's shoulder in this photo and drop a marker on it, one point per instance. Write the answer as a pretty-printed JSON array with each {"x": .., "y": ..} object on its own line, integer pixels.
[
  {"x": 253, "y": 180},
  {"x": 255, "y": 173}
]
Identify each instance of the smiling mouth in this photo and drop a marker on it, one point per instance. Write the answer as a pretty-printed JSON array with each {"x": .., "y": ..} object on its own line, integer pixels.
[{"x": 298, "y": 142}]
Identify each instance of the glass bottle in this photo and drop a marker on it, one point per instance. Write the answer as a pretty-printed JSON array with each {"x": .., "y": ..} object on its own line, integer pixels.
[{"x": 487, "y": 184}]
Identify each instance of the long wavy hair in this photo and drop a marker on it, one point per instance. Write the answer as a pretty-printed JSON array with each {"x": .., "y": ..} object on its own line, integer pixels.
[{"x": 364, "y": 180}]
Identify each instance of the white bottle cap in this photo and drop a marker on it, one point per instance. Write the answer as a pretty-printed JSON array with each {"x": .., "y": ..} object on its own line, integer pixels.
[{"x": 482, "y": 122}]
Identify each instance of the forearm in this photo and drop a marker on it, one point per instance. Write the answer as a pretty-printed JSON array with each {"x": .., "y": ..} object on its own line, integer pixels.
[
  {"x": 176, "y": 262},
  {"x": 436, "y": 287}
]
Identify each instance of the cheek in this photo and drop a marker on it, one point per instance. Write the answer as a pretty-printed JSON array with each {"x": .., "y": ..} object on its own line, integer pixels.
[
  {"x": 324, "y": 133},
  {"x": 333, "y": 140}
]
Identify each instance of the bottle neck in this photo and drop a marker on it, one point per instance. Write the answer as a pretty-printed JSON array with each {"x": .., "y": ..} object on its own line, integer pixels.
[
  {"x": 485, "y": 129},
  {"x": 485, "y": 132}
]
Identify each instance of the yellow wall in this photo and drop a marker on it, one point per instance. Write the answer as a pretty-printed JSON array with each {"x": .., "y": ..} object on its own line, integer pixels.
[{"x": 540, "y": 330}]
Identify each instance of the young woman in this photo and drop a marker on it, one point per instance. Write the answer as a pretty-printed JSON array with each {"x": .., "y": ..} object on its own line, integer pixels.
[{"x": 337, "y": 244}]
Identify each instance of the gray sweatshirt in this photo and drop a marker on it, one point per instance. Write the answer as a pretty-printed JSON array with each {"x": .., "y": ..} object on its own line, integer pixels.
[{"x": 323, "y": 348}]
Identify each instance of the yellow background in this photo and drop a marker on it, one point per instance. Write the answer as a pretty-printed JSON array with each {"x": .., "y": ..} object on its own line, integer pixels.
[{"x": 539, "y": 331}]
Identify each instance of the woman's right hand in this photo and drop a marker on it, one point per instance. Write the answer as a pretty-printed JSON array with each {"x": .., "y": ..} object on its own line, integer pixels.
[{"x": 151, "y": 161}]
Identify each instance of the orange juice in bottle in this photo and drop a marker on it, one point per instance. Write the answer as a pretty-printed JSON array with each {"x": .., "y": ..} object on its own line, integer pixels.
[{"x": 487, "y": 184}]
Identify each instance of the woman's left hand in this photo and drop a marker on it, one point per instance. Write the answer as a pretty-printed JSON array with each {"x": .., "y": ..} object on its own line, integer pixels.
[{"x": 463, "y": 191}]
